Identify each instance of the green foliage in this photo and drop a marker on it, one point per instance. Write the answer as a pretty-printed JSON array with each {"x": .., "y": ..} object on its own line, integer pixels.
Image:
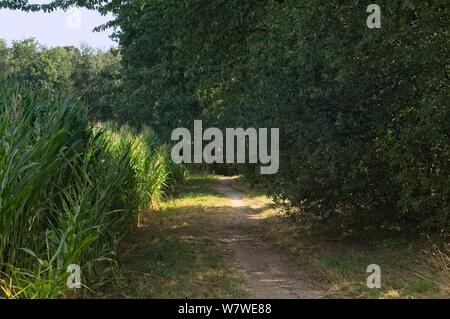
[
  {"x": 68, "y": 191},
  {"x": 97, "y": 82},
  {"x": 87, "y": 75},
  {"x": 362, "y": 112}
]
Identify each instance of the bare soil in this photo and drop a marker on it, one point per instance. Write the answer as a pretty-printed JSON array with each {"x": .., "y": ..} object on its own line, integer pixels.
[{"x": 269, "y": 272}]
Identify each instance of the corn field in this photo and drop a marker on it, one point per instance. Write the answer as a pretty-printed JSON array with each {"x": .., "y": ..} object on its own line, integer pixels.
[{"x": 70, "y": 190}]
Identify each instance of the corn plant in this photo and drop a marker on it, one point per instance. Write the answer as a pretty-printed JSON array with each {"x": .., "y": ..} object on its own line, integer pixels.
[{"x": 69, "y": 192}]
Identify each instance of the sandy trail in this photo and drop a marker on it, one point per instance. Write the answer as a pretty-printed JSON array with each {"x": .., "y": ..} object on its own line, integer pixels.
[{"x": 269, "y": 273}]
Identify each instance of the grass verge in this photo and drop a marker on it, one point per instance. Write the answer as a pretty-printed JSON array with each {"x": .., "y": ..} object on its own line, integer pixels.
[
  {"x": 336, "y": 259},
  {"x": 175, "y": 253}
]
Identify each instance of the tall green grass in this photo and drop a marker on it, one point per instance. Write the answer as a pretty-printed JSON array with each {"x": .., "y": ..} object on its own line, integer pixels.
[
  {"x": 69, "y": 192},
  {"x": 156, "y": 172}
]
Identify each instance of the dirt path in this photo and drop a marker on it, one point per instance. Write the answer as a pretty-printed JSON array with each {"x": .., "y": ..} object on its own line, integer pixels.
[{"x": 269, "y": 273}]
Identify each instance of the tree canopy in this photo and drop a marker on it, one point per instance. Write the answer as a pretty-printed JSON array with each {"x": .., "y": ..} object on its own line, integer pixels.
[{"x": 363, "y": 113}]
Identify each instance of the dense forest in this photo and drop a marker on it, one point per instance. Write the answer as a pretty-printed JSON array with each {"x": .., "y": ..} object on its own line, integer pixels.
[{"x": 363, "y": 117}]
